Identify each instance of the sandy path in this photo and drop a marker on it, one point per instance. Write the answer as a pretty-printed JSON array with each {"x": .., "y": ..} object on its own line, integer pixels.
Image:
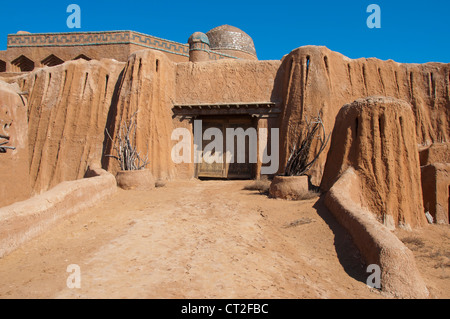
[{"x": 191, "y": 239}]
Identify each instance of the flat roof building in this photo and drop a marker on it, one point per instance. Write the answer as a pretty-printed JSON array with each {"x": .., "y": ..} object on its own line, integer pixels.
[{"x": 27, "y": 51}]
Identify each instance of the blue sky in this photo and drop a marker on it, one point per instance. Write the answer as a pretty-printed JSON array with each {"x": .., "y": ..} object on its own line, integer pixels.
[{"x": 411, "y": 31}]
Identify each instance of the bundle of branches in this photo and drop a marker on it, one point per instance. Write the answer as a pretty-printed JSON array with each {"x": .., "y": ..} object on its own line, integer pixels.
[
  {"x": 127, "y": 155},
  {"x": 298, "y": 163},
  {"x": 3, "y": 148}
]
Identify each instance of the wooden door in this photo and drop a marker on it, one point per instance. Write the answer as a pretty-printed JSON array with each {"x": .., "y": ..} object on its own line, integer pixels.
[
  {"x": 234, "y": 169},
  {"x": 226, "y": 170},
  {"x": 216, "y": 170}
]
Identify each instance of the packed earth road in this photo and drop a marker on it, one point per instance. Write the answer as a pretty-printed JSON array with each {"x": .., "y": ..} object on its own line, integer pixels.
[{"x": 191, "y": 239}]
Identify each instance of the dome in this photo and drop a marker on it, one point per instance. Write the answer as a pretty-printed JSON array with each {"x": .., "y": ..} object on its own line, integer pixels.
[
  {"x": 227, "y": 37},
  {"x": 198, "y": 37}
]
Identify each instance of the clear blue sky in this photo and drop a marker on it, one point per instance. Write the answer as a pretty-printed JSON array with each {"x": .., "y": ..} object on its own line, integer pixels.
[{"x": 411, "y": 31}]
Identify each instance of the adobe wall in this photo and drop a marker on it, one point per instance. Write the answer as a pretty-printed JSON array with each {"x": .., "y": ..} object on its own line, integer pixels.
[
  {"x": 435, "y": 153},
  {"x": 436, "y": 191},
  {"x": 376, "y": 136},
  {"x": 68, "y": 106},
  {"x": 235, "y": 53},
  {"x": 320, "y": 81},
  {"x": 116, "y": 45},
  {"x": 372, "y": 185},
  {"x": 176, "y": 57},
  {"x": 71, "y": 104},
  {"x": 228, "y": 81},
  {"x": 147, "y": 86},
  {"x": 119, "y": 52},
  {"x": 155, "y": 89},
  {"x": 3, "y": 62},
  {"x": 14, "y": 168}
]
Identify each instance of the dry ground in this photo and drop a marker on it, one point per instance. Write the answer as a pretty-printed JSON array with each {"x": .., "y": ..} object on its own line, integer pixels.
[
  {"x": 194, "y": 239},
  {"x": 431, "y": 248}
]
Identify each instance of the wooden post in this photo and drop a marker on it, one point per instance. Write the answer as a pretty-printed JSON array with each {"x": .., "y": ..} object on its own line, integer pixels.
[{"x": 262, "y": 143}]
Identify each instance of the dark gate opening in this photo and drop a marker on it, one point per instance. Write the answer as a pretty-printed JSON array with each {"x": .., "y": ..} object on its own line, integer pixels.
[{"x": 230, "y": 165}]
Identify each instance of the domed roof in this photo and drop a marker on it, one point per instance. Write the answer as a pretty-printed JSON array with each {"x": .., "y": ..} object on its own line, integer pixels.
[
  {"x": 227, "y": 37},
  {"x": 198, "y": 37}
]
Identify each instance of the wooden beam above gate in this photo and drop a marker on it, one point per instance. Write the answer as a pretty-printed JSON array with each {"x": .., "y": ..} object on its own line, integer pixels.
[{"x": 254, "y": 109}]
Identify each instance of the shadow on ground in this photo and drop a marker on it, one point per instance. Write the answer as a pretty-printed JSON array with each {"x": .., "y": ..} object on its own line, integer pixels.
[{"x": 348, "y": 255}]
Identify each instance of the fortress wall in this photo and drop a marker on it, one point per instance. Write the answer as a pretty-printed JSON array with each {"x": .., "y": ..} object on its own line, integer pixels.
[
  {"x": 14, "y": 168},
  {"x": 228, "y": 81},
  {"x": 67, "y": 112},
  {"x": 39, "y": 54},
  {"x": 318, "y": 80},
  {"x": 171, "y": 51},
  {"x": 436, "y": 191},
  {"x": 435, "y": 153},
  {"x": 71, "y": 104},
  {"x": 214, "y": 55},
  {"x": 225, "y": 81},
  {"x": 147, "y": 86},
  {"x": 3, "y": 61},
  {"x": 95, "y": 45},
  {"x": 376, "y": 136},
  {"x": 235, "y": 53}
]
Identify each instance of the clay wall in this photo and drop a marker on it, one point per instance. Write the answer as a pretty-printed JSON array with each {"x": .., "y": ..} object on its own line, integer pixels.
[
  {"x": 376, "y": 136},
  {"x": 147, "y": 86},
  {"x": 234, "y": 53},
  {"x": 39, "y": 48},
  {"x": 14, "y": 167},
  {"x": 3, "y": 61},
  {"x": 42, "y": 56},
  {"x": 68, "y": 107},
  {"x": 435, "y": 153},
  {"x": 320, "y": 81},
  {"x": 436, "y": 191},
  {"x": 71, "y": 104},
  {"x": 174, "y": 56},
  {"x": 228, "y": 81}
]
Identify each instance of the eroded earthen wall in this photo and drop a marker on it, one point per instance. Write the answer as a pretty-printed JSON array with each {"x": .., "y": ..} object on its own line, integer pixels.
[
  {"x": 147, "y": 87},
  {"x": 70, "y": 105},
  {"x": 376, "y": 137},
  {"x": 67, "y": 111},
  {"x": 14, "y": 172},
  {"x": 320, "y": 81}
]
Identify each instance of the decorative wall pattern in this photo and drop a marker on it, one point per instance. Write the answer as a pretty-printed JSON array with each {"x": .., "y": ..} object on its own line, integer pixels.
[{"x": 96, "y": 38}]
